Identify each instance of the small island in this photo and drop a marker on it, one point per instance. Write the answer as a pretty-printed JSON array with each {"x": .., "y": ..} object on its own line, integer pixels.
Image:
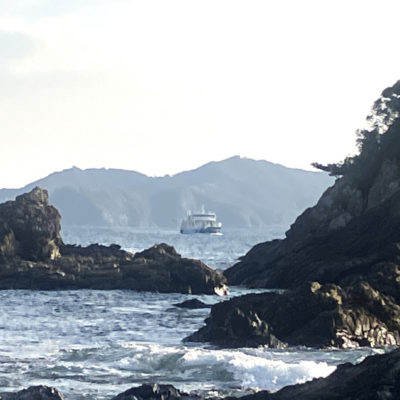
[{"x": 33, "y": 256}]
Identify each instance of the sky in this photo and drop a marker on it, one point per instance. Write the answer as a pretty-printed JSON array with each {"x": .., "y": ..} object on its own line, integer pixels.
[{"x": 162, "y": 86}]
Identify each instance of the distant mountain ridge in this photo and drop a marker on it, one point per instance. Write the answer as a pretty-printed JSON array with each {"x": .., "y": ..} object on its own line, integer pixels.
[{"x": 243, "y": 192}]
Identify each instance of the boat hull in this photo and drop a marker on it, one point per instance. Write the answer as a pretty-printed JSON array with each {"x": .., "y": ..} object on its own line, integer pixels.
[{"x": 209, "y": 229}]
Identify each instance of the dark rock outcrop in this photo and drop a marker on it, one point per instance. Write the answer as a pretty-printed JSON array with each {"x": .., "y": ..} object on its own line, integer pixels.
[
  {"x": 366, "y": 248},
  {"x": 30, "y": 227},
  {"x": 33, "y": 256},
  {"x": 350, "y": 238},
  {"x": 313, "y": 315},
  {"x": 34, "y": 393},
  {"x": 155, "y": 392},
  {"x": 192, "y": 304},
  {"x": 352, "y": 233}
]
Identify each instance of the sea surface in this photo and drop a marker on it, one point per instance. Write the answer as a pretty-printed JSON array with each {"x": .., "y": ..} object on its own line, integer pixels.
[
  {"x": 94, "y": 344},
  {"x": 219, "y": 251}
]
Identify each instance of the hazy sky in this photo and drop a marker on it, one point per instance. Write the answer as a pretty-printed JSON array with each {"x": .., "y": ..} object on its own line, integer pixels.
[{"x": 164, "y": 86}]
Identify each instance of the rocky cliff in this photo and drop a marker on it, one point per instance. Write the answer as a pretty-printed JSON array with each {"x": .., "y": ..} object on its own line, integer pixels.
[
  {"x": 353, "y": 230},
  {"x": 30, "y": 227},
  {"x": 33, "y": 256},
  {"x": 349, "y": 243}
]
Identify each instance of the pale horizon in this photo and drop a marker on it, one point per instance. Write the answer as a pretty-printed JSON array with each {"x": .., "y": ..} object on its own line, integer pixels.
[{"x": 164, "y": 87}]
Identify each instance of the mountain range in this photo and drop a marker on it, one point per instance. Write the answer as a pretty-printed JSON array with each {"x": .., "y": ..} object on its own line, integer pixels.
[{"x": 244, "y": 193}]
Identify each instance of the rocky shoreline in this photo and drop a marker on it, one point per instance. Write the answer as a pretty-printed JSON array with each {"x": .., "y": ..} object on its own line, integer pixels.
[
  {"x": 339, "y": 264},
  {"x": 339, "y": 261},
  {"x": 313, "y": 315},
  {"x": 375, "y": 378},
  {"x": 33, "y": 256}
]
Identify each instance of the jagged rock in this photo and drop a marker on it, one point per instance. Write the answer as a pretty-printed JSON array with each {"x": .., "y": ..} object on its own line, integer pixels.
[
  {"x": 30, "y": 227},
  {"x": 386, "y": 183},
  {"x": 352, "y": 233},
  {"x": 312, "y": 315},
  {"x": 154, "y": 392},
  {"x": 162, "y": 269},
  {"x": 192, "y": 304},
  {"x": 34, "y": 393},
  {"x": 102, "y": 267},
  {"x": 365, "y": 249},
  {"x": 337, "y": 206},
  {"x": 33, "y": 256}
]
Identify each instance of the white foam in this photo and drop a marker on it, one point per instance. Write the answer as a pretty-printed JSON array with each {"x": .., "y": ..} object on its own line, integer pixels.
[
  {"x": 256, "y": 371},
  {"x": 87, "y": 339}
]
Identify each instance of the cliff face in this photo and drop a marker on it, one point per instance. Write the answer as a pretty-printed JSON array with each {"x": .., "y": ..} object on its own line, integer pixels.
[
  {"x": 352, "y": 231},
  {"x": 349, "y": 243},
  {"x": 344, "y": 201},
  {"x": 341, "y": 239}
]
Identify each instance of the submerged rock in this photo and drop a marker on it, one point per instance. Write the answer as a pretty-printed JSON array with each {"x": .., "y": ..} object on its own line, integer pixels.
[
  {"x": 33, "y": 256},
  {"x": 313, "y": 315},
  {"x": 192, "y": 304}
]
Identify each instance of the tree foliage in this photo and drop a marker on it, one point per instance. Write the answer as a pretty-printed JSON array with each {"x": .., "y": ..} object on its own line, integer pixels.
[{"x": 380, "y": 139}]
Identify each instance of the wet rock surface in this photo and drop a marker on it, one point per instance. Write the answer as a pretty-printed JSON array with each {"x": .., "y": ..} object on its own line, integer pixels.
[
  {"x": 314, "y": 315},
  {"x": 33, "y": 256}
]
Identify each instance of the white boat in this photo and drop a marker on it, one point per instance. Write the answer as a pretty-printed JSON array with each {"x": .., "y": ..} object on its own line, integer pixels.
[{"x": 202, "y": 222}]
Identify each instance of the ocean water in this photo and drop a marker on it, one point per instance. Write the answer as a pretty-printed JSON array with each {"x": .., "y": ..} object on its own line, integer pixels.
[
  {"x": 95, "y": 344},
  {"x": 217, "y": 251}
]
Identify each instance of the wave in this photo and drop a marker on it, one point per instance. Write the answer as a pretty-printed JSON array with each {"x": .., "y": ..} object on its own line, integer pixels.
[{"x": 261, "y": 370}]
